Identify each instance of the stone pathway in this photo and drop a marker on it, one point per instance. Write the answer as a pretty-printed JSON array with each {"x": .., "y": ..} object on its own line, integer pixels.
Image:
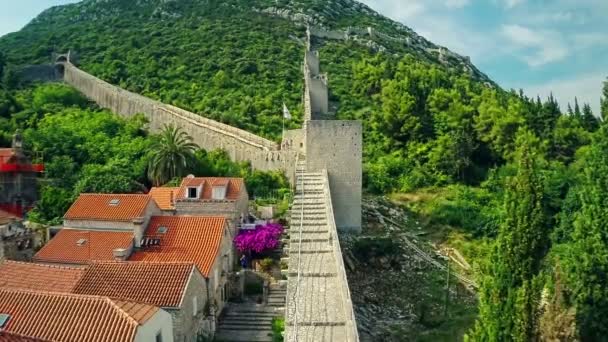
[{"x": 315, "y": 309}]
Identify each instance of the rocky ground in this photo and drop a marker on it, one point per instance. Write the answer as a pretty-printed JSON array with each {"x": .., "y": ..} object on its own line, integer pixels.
[{"x": 398, "y": 280}]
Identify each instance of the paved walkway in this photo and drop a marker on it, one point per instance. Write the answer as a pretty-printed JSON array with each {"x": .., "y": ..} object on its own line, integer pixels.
[{"x": 315, "y": 310}]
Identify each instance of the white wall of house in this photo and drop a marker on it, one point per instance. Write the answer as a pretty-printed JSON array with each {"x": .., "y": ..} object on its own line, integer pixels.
[{"x": 161, "y": 323}]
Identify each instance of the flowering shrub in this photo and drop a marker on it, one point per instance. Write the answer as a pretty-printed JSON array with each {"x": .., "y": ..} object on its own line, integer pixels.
[{"x": 260, "y": 239}]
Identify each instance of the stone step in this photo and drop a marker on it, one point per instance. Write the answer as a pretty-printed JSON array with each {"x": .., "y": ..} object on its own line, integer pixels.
[
  {"x": 313, "y": 265},
  {"x": 309, "y": 247},
  {"x": 244, "y": 336},
  {"x": 251, "y": 327},
  {"x": 246, "y": 320}
]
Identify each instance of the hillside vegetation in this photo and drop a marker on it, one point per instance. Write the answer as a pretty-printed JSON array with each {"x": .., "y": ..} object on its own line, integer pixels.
[{"x": 522, "y": 175}]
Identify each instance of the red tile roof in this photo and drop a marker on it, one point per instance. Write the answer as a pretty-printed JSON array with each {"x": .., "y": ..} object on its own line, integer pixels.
[
  {"x": 159, "y": 284},
  {"x": 235, "y": 186},
  {"x": 98, "y": 245},
  {"x": 6, "y": 217},
  {"x": 194, "y": 239},
  {"x": 101, "y": 208},
  {"x": 10, "y": 337},
  {"x": 164, "y": 197},
  {"x": 5, "y": 155},
  {"x": 69, "y": 317},
  {"x": 39, "y": 277}
]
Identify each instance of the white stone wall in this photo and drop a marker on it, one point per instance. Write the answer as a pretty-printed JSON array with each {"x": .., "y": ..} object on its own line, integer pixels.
[
  {"x": 160, "y": 323},
  {"x": 208, "y": 134},
  {"x": 337, "y": 147}
]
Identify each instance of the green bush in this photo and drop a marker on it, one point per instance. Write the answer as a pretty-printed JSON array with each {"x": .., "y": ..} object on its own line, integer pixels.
[
  {"x": 278, "y": 327},
  {"x": 266, "y": 264}
]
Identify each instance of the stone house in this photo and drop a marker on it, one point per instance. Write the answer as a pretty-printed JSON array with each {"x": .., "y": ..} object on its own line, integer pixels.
[
  {"x": 51, "y": 316},
  {"x": 77, "y": 246},
  {"x": 176, "y": 287},
  {"x": 202, "y": 240},
  {"x": 112, "y": 212},
  {"x": 201, "y": 196}
]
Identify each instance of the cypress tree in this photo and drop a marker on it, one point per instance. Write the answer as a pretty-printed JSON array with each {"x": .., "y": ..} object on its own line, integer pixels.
[
  {"x": 587, "y": 261},
  {"x": 604, "y": 101},
  {"x": 590, "y": 122},
  {"x": 509, "y": 294},
  {"x": 577, "y": 109}
]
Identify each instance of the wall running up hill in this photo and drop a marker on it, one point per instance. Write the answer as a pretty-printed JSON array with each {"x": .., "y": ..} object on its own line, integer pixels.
[{"x": 263, "y": 154}]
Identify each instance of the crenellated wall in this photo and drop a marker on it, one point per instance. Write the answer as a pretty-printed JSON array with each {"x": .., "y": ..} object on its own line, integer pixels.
[{"x": 241, "y": 145}]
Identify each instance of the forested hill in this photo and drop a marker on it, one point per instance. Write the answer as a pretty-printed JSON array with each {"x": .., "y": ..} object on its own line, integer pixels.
[
  {"x": 430, "y": 117},
  {"x": 235, "y": 61}
]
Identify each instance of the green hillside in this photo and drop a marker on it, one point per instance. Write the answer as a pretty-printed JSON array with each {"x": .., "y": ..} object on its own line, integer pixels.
[{"x": 516, "y": 185}]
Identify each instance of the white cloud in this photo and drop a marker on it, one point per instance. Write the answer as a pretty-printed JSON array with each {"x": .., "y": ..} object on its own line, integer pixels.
[
  {"x": 587, "y": 88},
  {"x": 513, "y": 3},
  {"x": 536, "y": 47},
  {"x": 456, "y": 3}
]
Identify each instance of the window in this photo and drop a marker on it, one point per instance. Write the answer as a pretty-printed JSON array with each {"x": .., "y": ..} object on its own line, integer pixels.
[
  {"x": 159, "y": 336},
  {"x": 192, "y": 193},
  {"x": 217, "y": 277},
  {"x": 219, "y": 192},
  {"x": 115, "y": 202},
  {"x": 194, "y": 306},
  {"x": 162, "y": 230}
]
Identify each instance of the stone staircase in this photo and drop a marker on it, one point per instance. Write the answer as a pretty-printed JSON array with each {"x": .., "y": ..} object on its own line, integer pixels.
[
  {"x": 246, "y": 322},
  {"x": 315, "y": 310}
]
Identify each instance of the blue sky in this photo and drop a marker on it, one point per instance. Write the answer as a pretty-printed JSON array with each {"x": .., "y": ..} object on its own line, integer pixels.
[
  {"x": 542, "y": 46},
  {"x": 538, "y": 45}
]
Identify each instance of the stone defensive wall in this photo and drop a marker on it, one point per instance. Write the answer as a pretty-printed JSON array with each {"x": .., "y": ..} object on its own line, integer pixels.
[{"x": 241, "y": 145}]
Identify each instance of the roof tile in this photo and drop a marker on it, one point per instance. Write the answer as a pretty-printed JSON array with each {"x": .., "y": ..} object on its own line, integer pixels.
[
  {"x": 164, "y": 197},
  {"x": 160, "y": 284},
  {"x": 235, "y": 186},
  {"x": 98, "y": 245},
  {"x": 39, "y": 277},
  {"x": 108, "y": 207},
  {"x": 194, "y": 239},
  {"x": 68, "y": 317}
]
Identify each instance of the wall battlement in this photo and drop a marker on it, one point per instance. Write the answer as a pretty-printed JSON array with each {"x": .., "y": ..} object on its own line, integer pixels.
[{"x": 241, "y": 145}]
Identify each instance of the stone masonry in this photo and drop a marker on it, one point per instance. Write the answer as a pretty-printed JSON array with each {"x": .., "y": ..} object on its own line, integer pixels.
[{"x": 323, "y": 160}]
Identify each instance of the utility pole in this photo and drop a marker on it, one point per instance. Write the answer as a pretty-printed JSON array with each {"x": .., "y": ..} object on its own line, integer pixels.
[{"x": 447, "y": 288}]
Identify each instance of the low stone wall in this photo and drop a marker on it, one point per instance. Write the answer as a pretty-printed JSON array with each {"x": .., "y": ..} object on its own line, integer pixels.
[
  {"x": 351, "y": 322},
  {"x": 241, "y": 145}
]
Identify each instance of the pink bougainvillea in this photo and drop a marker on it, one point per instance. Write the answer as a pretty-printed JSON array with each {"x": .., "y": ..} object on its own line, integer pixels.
[{"x": 262, "y": 238}]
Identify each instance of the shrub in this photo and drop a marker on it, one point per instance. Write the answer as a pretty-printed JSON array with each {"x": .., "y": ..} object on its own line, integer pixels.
[
  {"x": 266, "y": 264},
  {"x": 262, "y": 238},
  {"x": 278, "y": 327}
]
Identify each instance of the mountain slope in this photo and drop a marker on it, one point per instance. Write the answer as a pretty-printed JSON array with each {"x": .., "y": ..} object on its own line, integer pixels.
[{"x": 235, "y": 61}]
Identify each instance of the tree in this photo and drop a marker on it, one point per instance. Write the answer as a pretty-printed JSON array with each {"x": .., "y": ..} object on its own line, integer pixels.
[
  {"x": 173, "y": 155},
  {"x": 577, "y": 109},
  {"x": 589, "y": 121},
  {"x": 510, "y": 289},
  {"x": 586, "y": 264},
  {"x": 2, "y": 64},
  {"x": 604, "y": 101}
]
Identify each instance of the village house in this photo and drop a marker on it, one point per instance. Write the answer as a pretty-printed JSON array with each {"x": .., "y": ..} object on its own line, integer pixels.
[
  {"x": 77, "y": 246},
  {"x": 201, "y": 196},
  {"x": 203, "y": 240},
  {"x": 112, "y": 212},
  {"x": 176, "y": 287},
  {"x": 39, "y": 277},
  {"x": 65, "y": 317}
]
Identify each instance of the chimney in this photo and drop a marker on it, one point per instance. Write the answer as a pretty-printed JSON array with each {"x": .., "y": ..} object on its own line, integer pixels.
[{"x": 120, "y": 254}]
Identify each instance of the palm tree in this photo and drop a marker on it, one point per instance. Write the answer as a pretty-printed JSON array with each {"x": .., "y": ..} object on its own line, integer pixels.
[{"x": 173, "y": 155}]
